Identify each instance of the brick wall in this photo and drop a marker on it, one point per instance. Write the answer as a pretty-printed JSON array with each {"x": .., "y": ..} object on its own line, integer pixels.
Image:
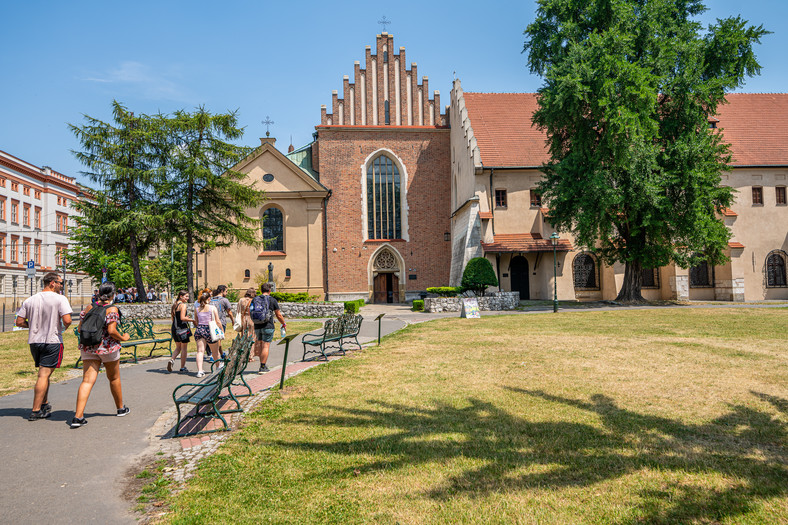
[{"x": 424, "y": 154}]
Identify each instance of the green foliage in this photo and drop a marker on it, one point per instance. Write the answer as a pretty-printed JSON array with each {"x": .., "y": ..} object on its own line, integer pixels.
[
  {"x": 418, "y": 305},
  {"x": 301, "y": 297},
  {"x": 353, "y": 307},
  {"x": 478, "y": 275},
  {"x": 445, "y": 291},
  {"x": 629, "y": 87}
]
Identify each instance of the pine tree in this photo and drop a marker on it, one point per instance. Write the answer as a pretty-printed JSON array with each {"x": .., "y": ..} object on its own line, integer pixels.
[{"x": 629, "y": 88}]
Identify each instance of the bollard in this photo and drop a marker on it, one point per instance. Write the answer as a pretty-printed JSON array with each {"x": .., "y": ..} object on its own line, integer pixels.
[
  {"x": 286, "y": 341},
  {"x": 379, "y": 319}
]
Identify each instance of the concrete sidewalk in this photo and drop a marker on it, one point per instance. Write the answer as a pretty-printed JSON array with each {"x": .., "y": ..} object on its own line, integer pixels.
[{"x": 53, "y": 474}]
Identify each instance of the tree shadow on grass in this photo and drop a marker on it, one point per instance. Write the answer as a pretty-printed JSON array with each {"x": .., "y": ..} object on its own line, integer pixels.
[{"x": 745, "y": 446}]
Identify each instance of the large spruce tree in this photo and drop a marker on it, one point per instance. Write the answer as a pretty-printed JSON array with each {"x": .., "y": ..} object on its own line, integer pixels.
[{"x": 629, "y": 89}]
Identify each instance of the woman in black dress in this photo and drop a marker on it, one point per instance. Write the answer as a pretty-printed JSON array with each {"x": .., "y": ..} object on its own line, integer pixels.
[{"x": 181, "y": 333}]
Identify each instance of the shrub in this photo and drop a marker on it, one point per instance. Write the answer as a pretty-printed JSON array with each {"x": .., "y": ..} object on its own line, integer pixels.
[
  {"x": 445, "y": 291},
  {"x": 301, "y": 297},
  {"x": 418, "y": 305},
  {"x": 352, "y": 307},
  {"x": 478, "y": 275}
]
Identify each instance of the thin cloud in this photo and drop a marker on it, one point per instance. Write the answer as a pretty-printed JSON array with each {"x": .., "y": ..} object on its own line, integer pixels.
[{"x": 143, "y": 79}]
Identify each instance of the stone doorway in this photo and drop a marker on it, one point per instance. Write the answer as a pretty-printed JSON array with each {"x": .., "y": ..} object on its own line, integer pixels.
[
  {"x": 520, "y": 282},
  {"x": 386, "y": 288}
]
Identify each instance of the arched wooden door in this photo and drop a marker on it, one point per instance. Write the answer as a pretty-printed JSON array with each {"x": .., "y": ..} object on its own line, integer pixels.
[
  {"x": 386, "y": 288},
  {"x": 519, "y": 271}
]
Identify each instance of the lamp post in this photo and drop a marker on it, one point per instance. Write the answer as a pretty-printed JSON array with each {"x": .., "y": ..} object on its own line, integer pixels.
[{"x": 554, "y": 242}]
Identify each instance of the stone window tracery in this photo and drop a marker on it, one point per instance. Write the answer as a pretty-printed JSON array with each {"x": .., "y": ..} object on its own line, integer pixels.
[{"x": 385, "y": 261}]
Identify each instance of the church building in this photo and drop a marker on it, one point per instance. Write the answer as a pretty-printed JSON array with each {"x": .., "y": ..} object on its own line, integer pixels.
[{"x": 396, "y": 194}]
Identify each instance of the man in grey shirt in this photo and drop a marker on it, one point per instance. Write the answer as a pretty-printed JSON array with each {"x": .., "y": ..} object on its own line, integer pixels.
[
  {"x": 224, "y": 307},
  {"x": 43, "y": 314}
]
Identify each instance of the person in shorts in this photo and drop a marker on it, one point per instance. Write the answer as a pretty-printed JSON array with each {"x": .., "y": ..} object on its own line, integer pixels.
[
  {"x": 46, "y": 314},
  {"x": 264, "y": 332},
  {"x": 107, "y": 352},
  {"x": 225, "y": 308}
]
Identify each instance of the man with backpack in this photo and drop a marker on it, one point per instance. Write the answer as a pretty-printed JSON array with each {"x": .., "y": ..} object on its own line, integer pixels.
[
  {"x": 46, "y": 314},
  {"x": 262, "y": 310}
]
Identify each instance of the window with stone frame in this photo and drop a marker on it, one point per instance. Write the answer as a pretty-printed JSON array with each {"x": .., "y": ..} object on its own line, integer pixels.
[
  {"x": 757, "y": 196},
  {"x": 500, "y": 198},
  {"x": 384, "y": 199},
  {"x": 536, "y": 198},
  {"x": 273, "y": 230},
  {"x": 775, "y": 269},
  {"x": 650, "y": 278},
  {"x": 779, "y": 196},
  {"x": 701, "y": 275},
  {"x": 585, "y": 272}
]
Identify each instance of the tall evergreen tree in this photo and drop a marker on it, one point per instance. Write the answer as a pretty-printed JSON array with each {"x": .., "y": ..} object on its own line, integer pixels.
[
  {"x": 629, "y": 89},
  {"x": 121, "y": 158},
  {"x": 206, "y": 199}
]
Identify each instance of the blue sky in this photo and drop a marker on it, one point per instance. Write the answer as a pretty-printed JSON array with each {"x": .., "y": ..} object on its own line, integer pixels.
[{"x": 61, "y": 60}]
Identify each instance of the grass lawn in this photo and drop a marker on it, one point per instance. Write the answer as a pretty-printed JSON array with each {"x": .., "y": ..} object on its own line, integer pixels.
[
  {"x": 641, "y": 416},
  {"x": 17, "y": 372}
]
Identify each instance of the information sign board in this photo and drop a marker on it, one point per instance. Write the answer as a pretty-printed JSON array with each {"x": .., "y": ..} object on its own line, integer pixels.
[{"x": 470, "y": 308}]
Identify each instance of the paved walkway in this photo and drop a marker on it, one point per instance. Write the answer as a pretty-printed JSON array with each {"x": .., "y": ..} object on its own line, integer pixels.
[{"x": 51, "y": 473}]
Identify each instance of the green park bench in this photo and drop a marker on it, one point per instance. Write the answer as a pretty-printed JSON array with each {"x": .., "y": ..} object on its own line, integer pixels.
[
  {"x": 207, "y": 394},
  {"x": 140, "y": 330},
  {"x": 351, "y": 325},
  {"x": 336, "y": 331}
]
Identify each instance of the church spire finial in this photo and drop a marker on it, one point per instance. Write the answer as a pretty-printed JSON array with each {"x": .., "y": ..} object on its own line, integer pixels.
[{"x": 384, "y": 22}]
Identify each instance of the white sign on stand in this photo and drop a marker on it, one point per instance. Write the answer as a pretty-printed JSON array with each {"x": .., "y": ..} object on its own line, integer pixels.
[
  {"x": 31, "y": 269},
  {"x": 470, "y": 308}
]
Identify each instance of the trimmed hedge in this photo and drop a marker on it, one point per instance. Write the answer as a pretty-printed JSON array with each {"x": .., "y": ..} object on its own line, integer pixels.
[
  {"x": 445, "y": 291},
  {"x": 418, "y": 305},
  {"x": 301, "y": 297},
  {"x": 352, "y": 307}
]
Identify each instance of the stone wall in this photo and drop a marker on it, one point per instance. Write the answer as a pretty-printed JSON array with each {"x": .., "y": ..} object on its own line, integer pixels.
[
  {"x": 496, "y": 301},
  {"x": 289, "y": 310}
]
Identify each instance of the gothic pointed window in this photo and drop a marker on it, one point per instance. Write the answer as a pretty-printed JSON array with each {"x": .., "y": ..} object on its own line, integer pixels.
[
  {"x": 384, "y": 209},
  {"x": 775, "y": 269},
  {"x": 273, "y": 230}
]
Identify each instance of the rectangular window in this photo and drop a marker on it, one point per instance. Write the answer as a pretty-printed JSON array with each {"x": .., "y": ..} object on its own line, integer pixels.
[
  {"x": 60, "y": 253},
  {"x": 26, "y": 250},
  {"x": 61, "y": 222},
  {"x": 14, "y": 250},
  {"x": 37, "y": 194},
  {"x": 14, "y": 212},
  {"x": 650, "y": 278},
  {"x": 2, "y": 182},
  {"x": 26, "y": 190},
  {"x": 536, "y": 199},
  {"x": 37, "y": 253},
  {"x": 757, "y": 196},
  {"x": 37, "y": 218},
  {"x": 26, "y": 215},
  {"x": 2, "y": 248},
  {"x": 2, "y": 209},
  {"x": 779, "y": 193},
  {"x": 14, "y": 186},
  {"x": 702, "y": 276},
  {"x": 500, "y": 198}
]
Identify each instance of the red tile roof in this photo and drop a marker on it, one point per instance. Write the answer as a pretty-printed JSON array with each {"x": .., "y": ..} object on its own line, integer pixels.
[
  {"x": 485, "y": 215},
  {"x": 727, "y": 212},
  {"x": 735, "y": 245},
  {"x": 753, "y": 123},
  {"x": 523, "y": 243}
]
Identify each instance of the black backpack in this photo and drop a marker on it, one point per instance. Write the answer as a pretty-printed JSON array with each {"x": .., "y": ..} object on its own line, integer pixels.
[
  {"x": 259, "y": 310},
  {"x": 91, "y": 331}
]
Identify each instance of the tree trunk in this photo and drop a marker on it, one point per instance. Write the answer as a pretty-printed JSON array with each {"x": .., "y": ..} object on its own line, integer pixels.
[
  {"x": 142, "y": 296},
  {"x": 190, "y": 266},
  {"x": 633, "y": 280}
]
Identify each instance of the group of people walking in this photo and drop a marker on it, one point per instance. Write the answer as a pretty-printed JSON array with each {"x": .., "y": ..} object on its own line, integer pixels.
[
  {"x": 213, "y": 306},
  {"x": 47, "y": 315}
]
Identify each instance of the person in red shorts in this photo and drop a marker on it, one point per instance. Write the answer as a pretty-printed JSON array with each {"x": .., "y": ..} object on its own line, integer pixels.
[{"x": 46, "y": 314}]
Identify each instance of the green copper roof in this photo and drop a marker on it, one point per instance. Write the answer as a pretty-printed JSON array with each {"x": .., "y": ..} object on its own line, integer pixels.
[{"x": 302, "y": 157}]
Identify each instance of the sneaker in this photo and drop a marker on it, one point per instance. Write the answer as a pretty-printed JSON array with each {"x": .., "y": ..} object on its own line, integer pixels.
[
  {"x": 77, "y": 422},
  {"x": 224, "y": 356},
  {"x": 38, "y": 414},
  {"x": 169, "y": 365},
  {"x": 200, "y": 374},
  {"x": 47, "y": 409},
  {"x": 183, "y": 370},
  {"x": 123, "y": 411},
  {"x": 263, "y": 369},
  {"x": 210, "y": 359}
]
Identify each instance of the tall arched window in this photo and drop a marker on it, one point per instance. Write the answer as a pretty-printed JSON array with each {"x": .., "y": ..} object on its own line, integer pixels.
[
  {"x": 273, "y": 230},
  {"x": 775, "y": 269},
  {"x": 384, "y": 214},
  {"x": 585, "y": 272}
]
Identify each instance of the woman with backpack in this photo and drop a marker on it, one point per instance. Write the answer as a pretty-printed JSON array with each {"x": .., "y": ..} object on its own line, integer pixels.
[
  {"x": 100, "y": 344},
  {"x": 181, "y": 333},
  {"x": 205, "y": 314}
]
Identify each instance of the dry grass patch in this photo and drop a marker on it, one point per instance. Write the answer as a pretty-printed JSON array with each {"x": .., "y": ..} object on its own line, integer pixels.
[{"x": 647, "y": 416}]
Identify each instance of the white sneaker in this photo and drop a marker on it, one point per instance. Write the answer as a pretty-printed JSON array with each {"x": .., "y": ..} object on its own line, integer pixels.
[{"x": 200, "y": 374}]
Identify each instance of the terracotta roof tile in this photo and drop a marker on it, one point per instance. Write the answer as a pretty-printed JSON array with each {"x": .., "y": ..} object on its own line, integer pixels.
[
  {"x": 753, "y": 123},
  {"x": 523, "y": 243},
  {"x": 727, "y": 212},
  {"x": 485, "y": 215},
  {"x": 735, "y": 245}
]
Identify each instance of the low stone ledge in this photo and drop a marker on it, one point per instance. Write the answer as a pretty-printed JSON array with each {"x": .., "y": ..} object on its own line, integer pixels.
[
  {"x": 289, "y": 310},
  {"x": 495, "y": 302}
]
